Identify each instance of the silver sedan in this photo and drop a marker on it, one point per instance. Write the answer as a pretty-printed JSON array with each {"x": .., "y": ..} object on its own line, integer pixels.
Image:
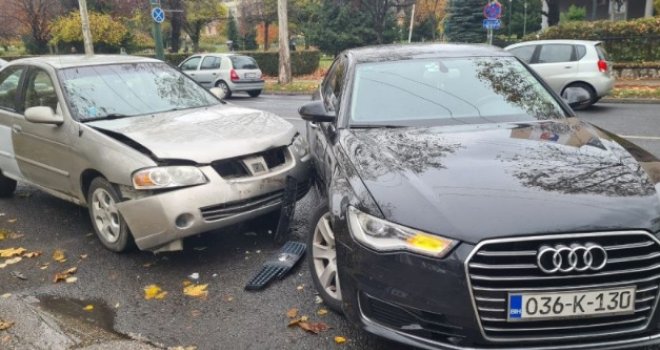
[{"x": 154, "y": 156}]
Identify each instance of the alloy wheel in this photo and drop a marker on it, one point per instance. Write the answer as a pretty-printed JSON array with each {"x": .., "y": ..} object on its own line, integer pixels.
[
  {"x": 324, "y": 256},
  {"x": 106, "y": 215}
]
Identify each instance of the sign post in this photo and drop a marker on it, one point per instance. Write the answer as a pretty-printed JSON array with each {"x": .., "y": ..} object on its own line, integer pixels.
[
  {"x": 492, "y": 13},
  {"x": 158, "y": 15}
]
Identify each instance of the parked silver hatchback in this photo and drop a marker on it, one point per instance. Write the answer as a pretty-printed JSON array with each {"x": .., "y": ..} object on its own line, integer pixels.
[
  {"x": 155, "y": 157},
  {"x": 578, "y": 70},
  {"x": 230, "y": 72}
]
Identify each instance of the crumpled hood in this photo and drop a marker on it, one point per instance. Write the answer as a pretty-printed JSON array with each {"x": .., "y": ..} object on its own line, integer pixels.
[
  {"x": 476, "y": 182},
  {"x": 204, "y": 135}
]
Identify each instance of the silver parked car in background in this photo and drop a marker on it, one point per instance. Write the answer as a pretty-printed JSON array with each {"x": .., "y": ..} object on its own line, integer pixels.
[
  {"x": 2, "y": 63},
  {"x": 155, "y": 157},
  {"x": 578, "y": 70},
  {"x": 230, "y": 72}
]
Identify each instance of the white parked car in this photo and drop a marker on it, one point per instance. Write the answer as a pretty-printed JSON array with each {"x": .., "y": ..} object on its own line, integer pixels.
[
  {"x": 578, "y": 70},
  {"x": 230, "y": 72},
  {"x": 2, "y": 63}
]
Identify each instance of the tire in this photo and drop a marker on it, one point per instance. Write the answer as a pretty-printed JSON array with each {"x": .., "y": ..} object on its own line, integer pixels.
[
  {"x": 221, "y": 84},
  {"x": 584, "y": 105},
  {"x": 330, "y": 290},
  {"x": 110, "y": 227},
  {"x": 254, "y": 93},
  {"x": 7, "y": 186}
]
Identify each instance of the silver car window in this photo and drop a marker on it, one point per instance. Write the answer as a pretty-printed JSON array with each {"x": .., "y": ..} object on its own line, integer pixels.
[
  {"x": 191, "y": 64},
  {"x": 554, "y": 53},
  {"x": 130, "y": 89},
  {"x": 210, "y": 62},
  {"x": 9, "y": 79},
  {"x": 524, "y": 53},
  {"x": 40, "y": 91}
]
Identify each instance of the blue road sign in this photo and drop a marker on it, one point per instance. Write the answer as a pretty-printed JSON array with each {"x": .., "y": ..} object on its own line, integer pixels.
[
  {"x": 158, "y": 15},
  {"x": 493, "y": 10},
  {"x": 492, "y": 24}
]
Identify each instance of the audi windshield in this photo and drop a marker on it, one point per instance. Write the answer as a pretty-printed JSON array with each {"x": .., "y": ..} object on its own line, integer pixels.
[{"x": 126, "y": 90}]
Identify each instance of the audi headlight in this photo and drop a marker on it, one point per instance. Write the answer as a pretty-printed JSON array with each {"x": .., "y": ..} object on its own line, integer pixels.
[
  {"x": 300, "y": 146},
  {"x": 168, "y": 177},
  {"x": 382, "y": 235}
]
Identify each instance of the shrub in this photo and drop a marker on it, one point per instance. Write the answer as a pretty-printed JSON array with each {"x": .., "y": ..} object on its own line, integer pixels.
[
  {"x": 626, "y": 41},
  {"x": 574, "y": 13},
  {"x": 108, "y": 34},
  {"x": 302, "y": 62}
]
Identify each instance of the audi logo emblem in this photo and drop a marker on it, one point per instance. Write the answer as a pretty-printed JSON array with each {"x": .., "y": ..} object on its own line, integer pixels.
[{"x": 575, "y": 257}]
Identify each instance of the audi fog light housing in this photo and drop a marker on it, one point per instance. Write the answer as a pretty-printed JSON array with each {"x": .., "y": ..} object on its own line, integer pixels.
[
  {"x": 168, "y": 177},
  {"x": 382, "y": 235},
  {"x": 300, "y": 146}
]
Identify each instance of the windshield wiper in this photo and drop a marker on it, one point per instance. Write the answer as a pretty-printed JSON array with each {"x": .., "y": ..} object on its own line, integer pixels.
[
  {"x": 107, "y": 117},
  {"x": 375, "y": 126}
]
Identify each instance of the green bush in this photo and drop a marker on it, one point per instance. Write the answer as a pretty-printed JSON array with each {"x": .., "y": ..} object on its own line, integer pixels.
[
  {"x": 302, "y": 62},
  {"x": 574, "y": 13},
  {"x": 625, "y": 41}
]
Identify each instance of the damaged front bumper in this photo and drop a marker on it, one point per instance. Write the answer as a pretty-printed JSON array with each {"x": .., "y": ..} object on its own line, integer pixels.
[{"x": 159, "y": 222}]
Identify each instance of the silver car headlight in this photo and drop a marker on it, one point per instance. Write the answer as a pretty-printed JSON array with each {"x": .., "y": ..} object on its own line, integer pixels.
[
  {"x": 382, "y": 235},
  {"x": 300, "y": 146},
  {"x": 168, "y": 177}
]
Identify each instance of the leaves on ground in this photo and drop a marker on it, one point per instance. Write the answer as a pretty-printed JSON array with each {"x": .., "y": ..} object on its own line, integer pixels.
[
  {"x": 31, "y": 255},
  {"x": 313, "y": 327},
  {"x": 11, "y": 252},
  {"x": 5, "y": 325},
  {"x": 62, "y": 276},
  {"x": 292, "y": 313},
  {"x": 5, "y": 296},
  {"x": 71, "y": 280},
  {"x": 11, "y": 261},
  {"x": 3, "y": 235},
  {"x": 340, "y": 340},
  {"x": 59, "y": 256},
  {"x": 89, "y": 307},
  {"x": 322, "y": 312},
  {"x": 196, "y": 290},
  {"x": 300, "y": 288},
  {"x": 153, "y": 291},
  {"x": 12, "y": 221}
]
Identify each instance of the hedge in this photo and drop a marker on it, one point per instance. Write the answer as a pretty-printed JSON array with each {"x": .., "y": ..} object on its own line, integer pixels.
[
  {"x": 625, "y": 41},
  {"x": 302, "y": 62}
]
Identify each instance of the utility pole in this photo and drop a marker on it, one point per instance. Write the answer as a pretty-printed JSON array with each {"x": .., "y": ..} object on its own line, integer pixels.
[
  {"x": 525, "y": 20},
  {"x": 285, "y": 54},
  {"x": 510, "y": 12},
  {"x": 87, "y": 34},
  {"x": 412, "y": 23}
]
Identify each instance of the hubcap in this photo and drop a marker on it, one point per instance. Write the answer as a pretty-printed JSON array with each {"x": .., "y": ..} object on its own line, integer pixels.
[
  {"x": 224, "y": 88},
  {"x": 325, "y": 257},
  {"x": 105, "y": 215}
]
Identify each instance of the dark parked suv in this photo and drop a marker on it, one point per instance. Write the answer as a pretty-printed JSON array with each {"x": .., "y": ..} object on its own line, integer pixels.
[{"x": 468, "y": 208}]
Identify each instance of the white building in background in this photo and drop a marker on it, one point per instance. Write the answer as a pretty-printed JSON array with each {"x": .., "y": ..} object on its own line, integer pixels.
[{"x": 616, "y": 10}]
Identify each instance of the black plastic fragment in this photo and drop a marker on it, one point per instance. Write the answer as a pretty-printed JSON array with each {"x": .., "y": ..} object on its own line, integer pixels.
[
  {"x": 288, "y": 209},
  {"x": 283, "y": 262}
]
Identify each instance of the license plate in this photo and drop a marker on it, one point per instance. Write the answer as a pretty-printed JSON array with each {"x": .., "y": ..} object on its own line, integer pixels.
[
  {"x": 573, "y": 304},
  {"x": 251, "y": 75}
]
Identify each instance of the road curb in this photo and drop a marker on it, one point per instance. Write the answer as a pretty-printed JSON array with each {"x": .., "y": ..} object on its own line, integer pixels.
[
  {"x": 631, "y": 100},
  {"x": 286, "y": 93}
]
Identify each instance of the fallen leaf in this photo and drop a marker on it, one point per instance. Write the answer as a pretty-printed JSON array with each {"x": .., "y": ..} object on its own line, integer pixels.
[
  {"x": 83, "y": 256},
  {"x": 3, "y": 235},
  {"x": 315, "y": 328},
  {"x": 31, "y": 255},
  {"x": 14, "y": 235},
  {"x": 89, "y": 308},
  {"x": 62, "y": 276},
  {"x": 71, "y": 280},
  {"x": 117, "y": 306},
  {"x": 12, "y": 221},
  {"x": 149, "y": 264},
  {"x": 58, "y": 255},
  {"x": 11, "y": 252},
  {"x": 196, "y": 290},
  {"x": 153, "y": 291},
  {"x": 5, "y": 325},
  {"x": 18, "y": 275},
  {"x": 44, "y": 266},
  {"x": 11, "y": 261},
  {"x": 300, "y": 288},
  {"x": 292, "y": 313},
  {"x": 322, "y": 312},
  {"x": 318, "y": 300},
  {"x": 5, "y": 296},
  {"x": 194, "y": 276},
  {"x": 186, "y": 283},
  {"x": 340, "y": 340}
]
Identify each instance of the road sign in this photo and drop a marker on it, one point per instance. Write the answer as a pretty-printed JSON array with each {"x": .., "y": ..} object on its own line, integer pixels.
[
  {"x": 492, "y": 24},
  {"x": 493, "y": 10},
  {"x": 155, "y": 3},
  {"x": 158, "y": 15}
]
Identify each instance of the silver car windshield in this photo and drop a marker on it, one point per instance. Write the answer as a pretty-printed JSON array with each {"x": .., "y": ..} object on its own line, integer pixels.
[
  {"x": 126, "y": 90},
  {"x": 449, "y": 91}
]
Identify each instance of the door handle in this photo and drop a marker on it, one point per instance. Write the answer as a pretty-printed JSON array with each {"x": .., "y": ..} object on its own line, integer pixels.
[
  {"x": 214, "y": 74},
  {"x": 17, "y": 129},
  {"x": 313, "y": 125},
  {"x": 568, "y": 67},
  {"x": 192, "y": 74}
]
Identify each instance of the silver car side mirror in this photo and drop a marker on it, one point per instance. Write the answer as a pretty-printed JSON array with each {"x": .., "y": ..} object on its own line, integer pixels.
[
  {"x": 43, "y": 115},
  {"x": 218, "y": 92}
]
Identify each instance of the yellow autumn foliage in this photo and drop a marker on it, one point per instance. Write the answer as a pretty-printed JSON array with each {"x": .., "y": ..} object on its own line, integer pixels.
[{"x": 105, "y": 29}]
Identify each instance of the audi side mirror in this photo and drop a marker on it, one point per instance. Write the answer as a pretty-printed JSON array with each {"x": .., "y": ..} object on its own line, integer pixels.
[{"x": 315, "y": 112}]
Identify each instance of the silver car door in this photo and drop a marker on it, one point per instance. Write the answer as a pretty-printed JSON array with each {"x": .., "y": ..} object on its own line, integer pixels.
[
  {"x": 209, "y": 71},
  {"x": 44, "y": 151},
  {"x": 190, "y": 67},
  {"x": 556, "y": 64},
  {"x": 10, "y": 80}
]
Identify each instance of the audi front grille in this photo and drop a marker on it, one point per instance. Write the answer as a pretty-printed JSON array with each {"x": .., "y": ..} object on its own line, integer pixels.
[{"x": 497, "y": 267}]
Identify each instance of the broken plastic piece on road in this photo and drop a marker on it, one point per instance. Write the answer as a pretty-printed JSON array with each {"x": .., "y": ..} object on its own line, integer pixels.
[{"x": 278, "y": 266}]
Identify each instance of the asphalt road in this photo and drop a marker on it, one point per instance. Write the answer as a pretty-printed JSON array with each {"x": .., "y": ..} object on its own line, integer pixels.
[{"x": 229, "y": 318}]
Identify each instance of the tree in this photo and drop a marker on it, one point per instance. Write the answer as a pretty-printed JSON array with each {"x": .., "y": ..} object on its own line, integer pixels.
[
  {"x": 200, "y": 13},
  {"x": 429, "y": 13},
  {"x": 176, "y": 23},
  {"x": 285, "y": 56},
  {"x": 108, "y": 34},
  {"x": 262, "y": 12},
  {"x": 33, "y": 17},
  {"x": 264, "y": 38},
  {"x": 553, "y": 12},
  {"x": 534, "y": 12},
  {"x": 574, "y": 13},
  {"x": 232, "y": 31},
  {"x": 381, "y": 16},
  {"x": 464, "y": 23}
]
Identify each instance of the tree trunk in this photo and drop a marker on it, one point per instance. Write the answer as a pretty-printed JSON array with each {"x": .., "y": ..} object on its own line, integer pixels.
[
  {"x": 285, "y": 55},
  {"x": 177, "y": 19},
  {"x": 266, "y": 43},
  {"x": 197, "y": 33}
]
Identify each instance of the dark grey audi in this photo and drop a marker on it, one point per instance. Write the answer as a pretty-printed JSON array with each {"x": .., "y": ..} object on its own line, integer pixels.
[{"x": 468, "y": 208}]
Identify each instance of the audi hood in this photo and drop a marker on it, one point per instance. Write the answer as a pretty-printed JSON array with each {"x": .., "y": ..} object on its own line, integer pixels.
[
  {"x": 203, "y": 135},
  {"x": 473, "y": 182}
]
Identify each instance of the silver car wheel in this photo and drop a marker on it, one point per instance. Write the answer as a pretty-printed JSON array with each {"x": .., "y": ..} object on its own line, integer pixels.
[
  {"x": 106, "y": 215},
  {"x": 324, "y": 255}
]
